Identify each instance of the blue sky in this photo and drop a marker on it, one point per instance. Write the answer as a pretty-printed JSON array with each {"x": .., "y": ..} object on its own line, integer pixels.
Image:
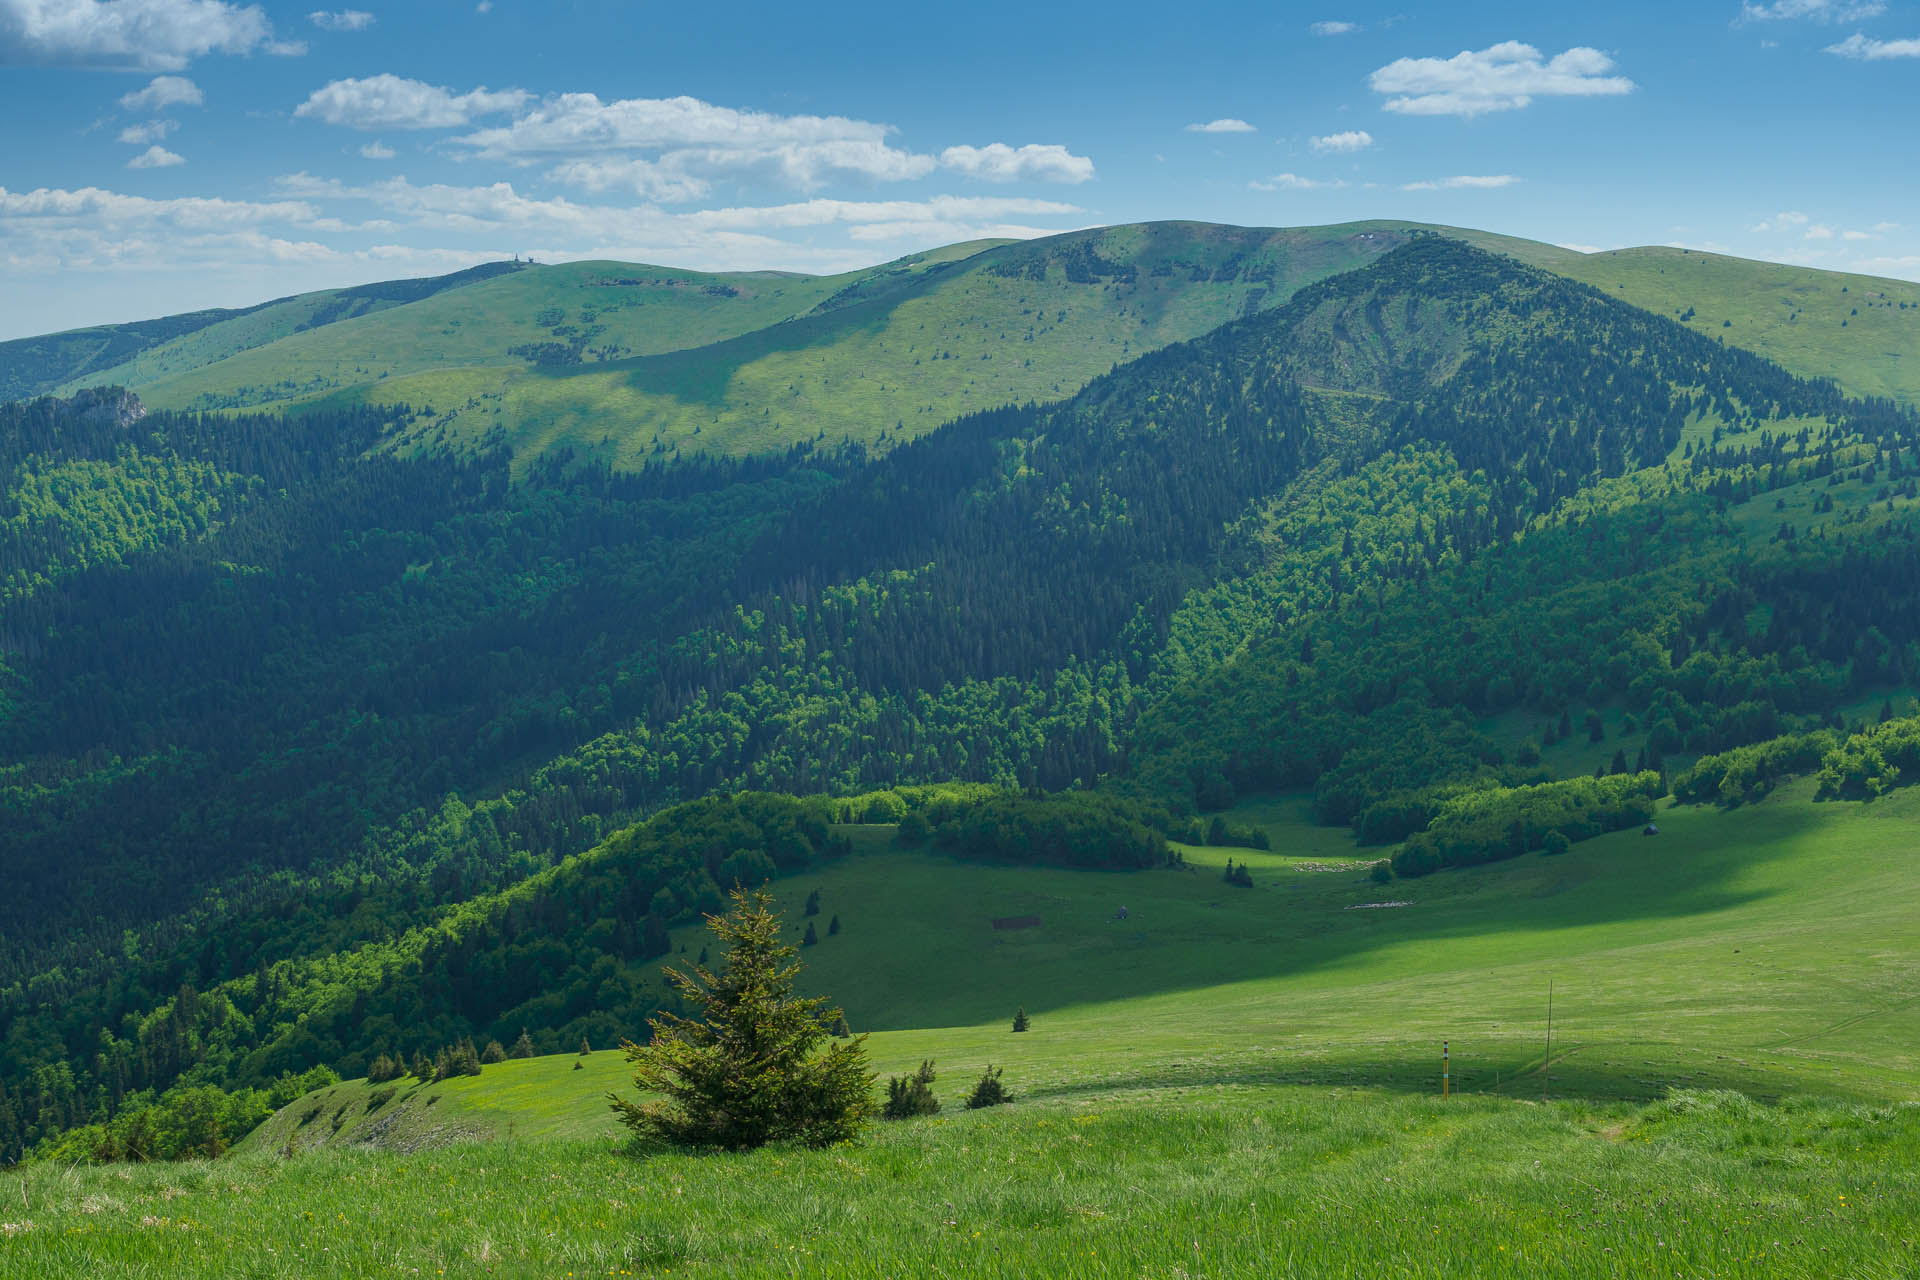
[{"x": 162, "y": 155}]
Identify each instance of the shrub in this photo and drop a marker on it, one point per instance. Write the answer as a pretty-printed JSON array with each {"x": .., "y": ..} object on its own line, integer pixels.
[
  {"x": 383, "y": 1069},
  {"x": 988, "y": 1092},
  {"x": 1555, "y": 842},
  {"x": 523, "y": 1047},
  {"x": 1382, "y": 872},
  {"x": 493, "y": 1052},
  {"x": 912, "y": 1096}
]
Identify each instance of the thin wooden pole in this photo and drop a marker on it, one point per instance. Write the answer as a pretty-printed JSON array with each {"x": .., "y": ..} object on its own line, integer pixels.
[
  {"x": 1546, "y": 1083},
  {"x": 1446, "y": 1075}
]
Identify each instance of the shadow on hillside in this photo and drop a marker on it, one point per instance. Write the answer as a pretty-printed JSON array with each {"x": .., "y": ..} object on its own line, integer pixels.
[{"x": 1532, "y": 916}]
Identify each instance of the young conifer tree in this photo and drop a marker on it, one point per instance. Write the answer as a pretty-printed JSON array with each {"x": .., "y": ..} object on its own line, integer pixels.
[
  {"x": 749, "y": 1068},
  {"x": 523, "y": 1047}
]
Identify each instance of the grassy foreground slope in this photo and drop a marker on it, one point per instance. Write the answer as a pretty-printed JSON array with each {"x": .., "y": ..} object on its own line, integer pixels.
[{"x": 1234, "y": 1090}]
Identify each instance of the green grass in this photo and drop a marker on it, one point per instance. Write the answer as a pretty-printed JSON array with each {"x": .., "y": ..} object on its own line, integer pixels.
[{"x": 1217, "y": 1181}]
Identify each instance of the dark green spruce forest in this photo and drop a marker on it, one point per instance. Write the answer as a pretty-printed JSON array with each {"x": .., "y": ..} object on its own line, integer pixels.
[{"x": 314, "y": 751}]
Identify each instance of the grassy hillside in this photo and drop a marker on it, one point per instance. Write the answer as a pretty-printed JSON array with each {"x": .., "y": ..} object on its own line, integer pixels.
[
  {"x": 1240, "y": 1089},
  {"x": 625, "y": 362},
  {"x": 1862, "y": 331},
  {"x": 1759, "y": 949}
]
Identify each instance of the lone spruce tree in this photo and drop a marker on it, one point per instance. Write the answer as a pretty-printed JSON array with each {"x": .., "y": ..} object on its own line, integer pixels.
[{"x": 749, "y": 1069}]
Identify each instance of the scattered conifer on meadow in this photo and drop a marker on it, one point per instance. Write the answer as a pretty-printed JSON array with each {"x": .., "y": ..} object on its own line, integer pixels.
[
  {"x": 523, "y": 1047},
  {"x": 585, "y": 1048},
  {"x": 494, "y": 1052},
  {"x": 813, "y": 904},
  {"x": 988, "y": 1092},
  {"x": 422, "y": 1069},
  {"x": 383, "y": 1069},
  {"x": 841, "y": 1031},
  {"x": 812, "y": 938},
  {"x": 749, "y": 1069},
  {"x": 1020, "y": 1021},
  {"x": 833, "y": 927}
]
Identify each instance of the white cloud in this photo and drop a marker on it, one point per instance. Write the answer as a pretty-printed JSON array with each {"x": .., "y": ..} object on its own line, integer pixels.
[
  {"x": 1503, "y": 77},
  {"x": 377, "y": 151},
  {"x": 674, "y": 148},
  {"x": 1818, "y": 10},
  {"x": 1334, "y": 28},
  {"x": 1867, "y": 49},
  {"x": 1464, "y": 182},
  {"x": 156, "y": 35},
  {"x": 942, "y": 209},
  {"x": 156, "y": 157},
  {"x": 163, "y": 92},
  {"x": 1351, "y": 140},
  {"x": 1819, "y": 232},
  {"x": 388, "y": 101},
  {"x": 1035, "y": 162},
  {"x": 1884, "y": 227},
  {"x": 1294, "y": 182},
  {"x": 1790, "y": 220},
  {"x": 1582, "y": 248},
  {"x": 1858, "y": 235},
  {"x": 1225, "y": 125},
  {"x": 342, "y": 20},
  {"x": 140, "y": 135}
]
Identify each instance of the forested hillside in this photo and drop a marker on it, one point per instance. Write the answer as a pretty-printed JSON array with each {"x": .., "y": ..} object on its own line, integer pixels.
[{"x": 292, "y": 718}]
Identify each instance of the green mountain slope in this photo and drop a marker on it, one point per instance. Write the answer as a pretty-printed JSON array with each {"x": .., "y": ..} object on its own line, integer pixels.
[
  {"x": 1861, "y": 331},
  {"x": 623, "y": 362},
  {"x": 315, "y": 741}
]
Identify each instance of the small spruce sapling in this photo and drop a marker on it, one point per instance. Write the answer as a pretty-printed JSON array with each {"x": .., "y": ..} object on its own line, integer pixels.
[
  {"x": 912, "y": 1096},
  {"x": 523, "y": 1047},
  {"x": 812, "y": 938},
  {"x": 585, "y": 1048},
  {"x": 841, "y": 1031},
  {"x": 494, "y": 1052},
  {"x": 833, "y": 927},
  {"x": 813, "y": 904},
  {"x": 989, "y": 1092},
  {"x": 1020, "y": 1020}
]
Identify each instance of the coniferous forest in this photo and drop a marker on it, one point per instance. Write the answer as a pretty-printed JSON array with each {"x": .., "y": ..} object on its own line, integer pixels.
[{"x": 314, "y": 752}]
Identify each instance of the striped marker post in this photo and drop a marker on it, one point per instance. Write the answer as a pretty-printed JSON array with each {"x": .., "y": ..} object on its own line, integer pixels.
[{"x": 1446, "y": 1074}]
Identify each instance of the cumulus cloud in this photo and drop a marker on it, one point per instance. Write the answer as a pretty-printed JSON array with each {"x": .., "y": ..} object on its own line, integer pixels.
[
  {"x": 1226, "y": 125},
  {"x": 377, "y": 151},
  {"x": 1035, "y": 162},
  {"x": 674, "y": 148},
  {"x": 1867, "y": 49},
  {"x": 1294, "y": 182},
  {"x": 341, "y": 20},
  {"x": 156, "y": 157},
  {"x": 1351, "y": 140},
  {"x": 1819, "y": 232},
  {"x": 163, "y": 92},
  {"x": 1464, "y": 182},
  {"x": 140, "y": 135},
  {"x": 388, "y": 101},
  {"x": 1503, "y": 77},
  {"x": 1790, "y": 220},
  {"x": 155, "y": 35},
  {"x": 1334, "y": 28},
  {"x": 1817, "y": 10}
]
